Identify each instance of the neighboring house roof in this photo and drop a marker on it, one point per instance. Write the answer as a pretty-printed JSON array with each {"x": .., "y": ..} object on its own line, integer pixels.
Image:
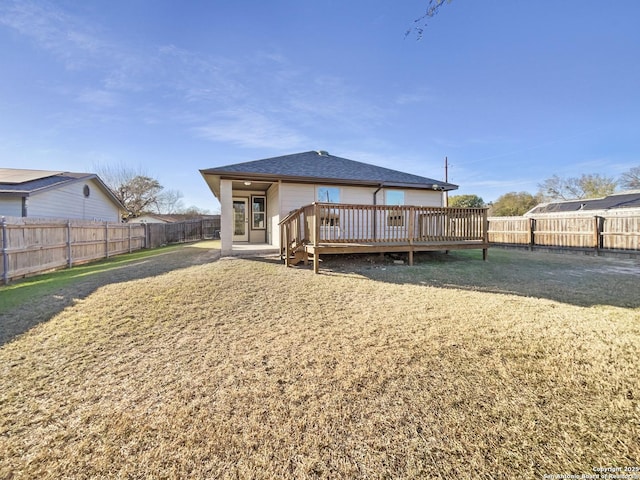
[
  {"x": 320, "y": 167},
  {"x": 23, "y": 183},
  {"x": 629, "y": 199}
]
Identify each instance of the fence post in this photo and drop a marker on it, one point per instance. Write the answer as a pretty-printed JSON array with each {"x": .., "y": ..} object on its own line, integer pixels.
[
  {"x": 106, "y": 239},
  {"x": 598, "y": 227},
  {"x": 5, "y": 253},
  {"x": 69, "y": 258},
  {"x": 130, "y": 239},
  {"x": 532, "y": 233}
]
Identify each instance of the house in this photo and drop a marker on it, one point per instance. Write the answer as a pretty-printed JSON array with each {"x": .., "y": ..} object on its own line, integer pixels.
[
  {"x": 313, "y": 202},
  {"x": 626, "y": 202},
  {"x": 56, "y": 194}
]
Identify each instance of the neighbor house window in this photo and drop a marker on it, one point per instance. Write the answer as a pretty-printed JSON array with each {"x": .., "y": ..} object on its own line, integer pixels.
[
  {"x": 328, "y": 194},
  {"x": 258, "y": 212}
]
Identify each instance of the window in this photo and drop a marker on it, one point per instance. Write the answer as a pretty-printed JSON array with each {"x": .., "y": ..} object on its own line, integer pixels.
[
  {"x": 258, "y": 213},
  {"x": 394, "y": 197},
  {"x": 328, "y": 194}
]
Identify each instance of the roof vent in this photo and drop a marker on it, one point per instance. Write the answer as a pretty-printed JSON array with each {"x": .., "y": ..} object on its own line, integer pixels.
[{"x": 322, "y": 153}]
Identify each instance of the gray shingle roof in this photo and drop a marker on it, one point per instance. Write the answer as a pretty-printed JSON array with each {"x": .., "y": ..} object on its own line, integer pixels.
[
  {"x": 45, "y": 182},
  {"x": 621, "y": 200},
  {"x": 323, "y": 166},
  {"x": 48, "y": 180}
]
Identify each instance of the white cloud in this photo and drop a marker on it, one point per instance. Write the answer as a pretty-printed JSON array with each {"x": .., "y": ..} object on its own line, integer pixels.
[
  {"x": 99, "y": 98},
  {"x": 251, "y": 129}
]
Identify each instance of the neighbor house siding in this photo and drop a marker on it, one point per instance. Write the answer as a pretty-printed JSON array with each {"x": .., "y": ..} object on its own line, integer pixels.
[
  {"x": 69, "y": 202},
  {"x": 11, "y": 207}
]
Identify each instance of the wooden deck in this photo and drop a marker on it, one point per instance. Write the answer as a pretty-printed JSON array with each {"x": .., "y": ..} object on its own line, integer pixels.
[{"x": 324, "y": 228}]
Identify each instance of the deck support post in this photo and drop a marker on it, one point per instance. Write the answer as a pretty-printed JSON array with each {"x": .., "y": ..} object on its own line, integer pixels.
[
  {"x": 316, "y": 261},
  {"x": 287, "y": 253},
  {"x": 411, "y": 258},
  {"x": 484, "y": 254}
]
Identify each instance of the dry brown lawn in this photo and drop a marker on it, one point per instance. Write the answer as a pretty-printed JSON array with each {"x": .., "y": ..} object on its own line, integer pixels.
[{"x": 243, "y": 368}]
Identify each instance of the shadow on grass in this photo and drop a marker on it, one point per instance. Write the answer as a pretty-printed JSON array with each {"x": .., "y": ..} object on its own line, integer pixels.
[
  {"x": 568, "y": 278},
  {"x": 29, "y": 302}
]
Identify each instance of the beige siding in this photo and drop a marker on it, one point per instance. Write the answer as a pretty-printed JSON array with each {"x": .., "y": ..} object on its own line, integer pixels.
[
  {"x": 423, "y": 198},
  {"x": 294, "y": 196},
  {"x": 11, "y": 207},
  {"x": 358, "y": 195},
  {"x": 69, "y": 202},
  {"x": 273, "y": 215}
]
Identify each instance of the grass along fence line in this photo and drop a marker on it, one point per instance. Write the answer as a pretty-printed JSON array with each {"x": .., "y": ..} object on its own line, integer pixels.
[
  {"x": 33, "y": 246},
  {"x": 30, "y": 246},
  {"x": 225, "y": 370}
]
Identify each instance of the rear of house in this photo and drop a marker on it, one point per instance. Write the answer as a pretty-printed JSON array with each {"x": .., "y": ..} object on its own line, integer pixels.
[{"x": 255, "y": 196}]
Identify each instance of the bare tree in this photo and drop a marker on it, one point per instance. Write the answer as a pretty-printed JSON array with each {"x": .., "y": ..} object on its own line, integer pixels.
[
  {"x": 169, "y": 202},
  {"x": 631, "y": 180},
  {"x": 420, "y": 23},
  {"x": 136, "y": 190},
  {"x": 575, "y": 188}
]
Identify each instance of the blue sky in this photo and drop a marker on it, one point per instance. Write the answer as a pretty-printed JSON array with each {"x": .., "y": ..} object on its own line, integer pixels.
[{"x": 511, "y": 92}]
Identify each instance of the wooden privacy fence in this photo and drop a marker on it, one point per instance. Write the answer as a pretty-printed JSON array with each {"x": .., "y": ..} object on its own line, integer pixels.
[
  {"x": 607, "y": 233},
  {"x": 33, "y": 246},
  {"x": 159, "y": 234}
]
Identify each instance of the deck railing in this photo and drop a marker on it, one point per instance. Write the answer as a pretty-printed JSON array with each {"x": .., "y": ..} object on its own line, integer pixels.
[{"x": 331, "y": 223}]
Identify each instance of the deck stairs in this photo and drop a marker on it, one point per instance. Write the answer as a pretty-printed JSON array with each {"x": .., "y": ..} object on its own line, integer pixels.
[{"x": 297, "y": 252}]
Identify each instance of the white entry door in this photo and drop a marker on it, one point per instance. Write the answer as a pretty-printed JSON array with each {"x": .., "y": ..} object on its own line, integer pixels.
[{"x": 240, "y": 220}]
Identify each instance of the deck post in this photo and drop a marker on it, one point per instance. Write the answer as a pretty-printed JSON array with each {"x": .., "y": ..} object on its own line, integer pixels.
[
  {"x": 316, "y": 238},
  {"x": 316, "y": 224},
  {"x": 287, "y": 253}
]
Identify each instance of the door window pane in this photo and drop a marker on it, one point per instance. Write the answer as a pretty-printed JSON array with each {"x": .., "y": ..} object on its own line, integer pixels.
[
  {"x": 259, "y": 212},
  {"x": 238, "y": 217}
]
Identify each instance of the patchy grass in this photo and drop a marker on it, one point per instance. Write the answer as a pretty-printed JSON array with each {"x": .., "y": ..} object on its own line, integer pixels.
[
  {"x": 27, "y": 302},
  {"x": 245, "y": 369}
]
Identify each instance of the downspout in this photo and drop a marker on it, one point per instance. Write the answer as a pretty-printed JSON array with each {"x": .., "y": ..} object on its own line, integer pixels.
[{"x": 375, "y": 213}]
